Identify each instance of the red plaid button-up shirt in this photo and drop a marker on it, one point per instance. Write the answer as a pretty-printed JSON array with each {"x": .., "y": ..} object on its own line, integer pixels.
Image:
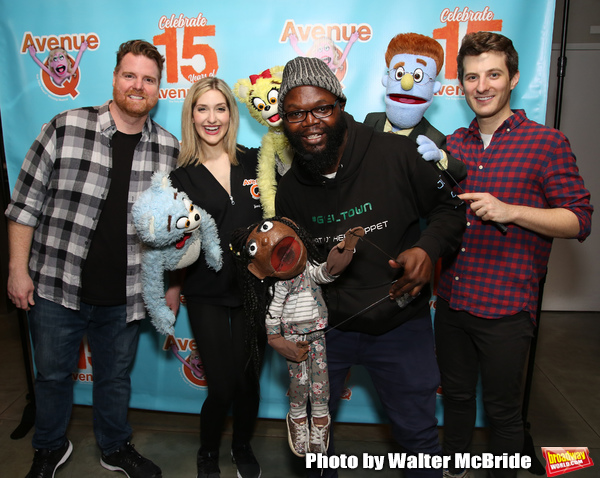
[{"x": 495, "y": 275}]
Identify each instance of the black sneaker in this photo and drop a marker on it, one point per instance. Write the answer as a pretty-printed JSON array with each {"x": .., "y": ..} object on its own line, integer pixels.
[
  {"x": 130, "y": 462},
  {"x": 208, "y": 464},
  {"x": 244, "y": 459},
  {"x": 46, "y": 462}
]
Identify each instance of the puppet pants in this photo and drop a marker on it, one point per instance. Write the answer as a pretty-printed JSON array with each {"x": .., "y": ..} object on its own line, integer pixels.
[
  {"x": 497, "y": 348},
  {"x": 309, "y": 380}
]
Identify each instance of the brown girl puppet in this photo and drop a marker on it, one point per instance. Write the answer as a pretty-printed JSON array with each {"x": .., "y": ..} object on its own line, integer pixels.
[{"x": 282, "y": 275}]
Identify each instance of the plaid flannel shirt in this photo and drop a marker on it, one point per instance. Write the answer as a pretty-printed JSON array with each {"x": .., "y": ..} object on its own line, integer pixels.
[
  {"x": 61, "y": 190},
  {"x": 495, "y": 275}
]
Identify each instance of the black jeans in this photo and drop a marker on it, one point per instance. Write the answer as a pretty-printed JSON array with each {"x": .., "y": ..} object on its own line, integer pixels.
[
  {"x": 220, "y": 334},
  {"x": 466, "y": 346}
]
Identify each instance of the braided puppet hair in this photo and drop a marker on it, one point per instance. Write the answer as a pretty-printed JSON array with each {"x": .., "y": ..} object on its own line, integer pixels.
[{"x": 257, "y": 293}]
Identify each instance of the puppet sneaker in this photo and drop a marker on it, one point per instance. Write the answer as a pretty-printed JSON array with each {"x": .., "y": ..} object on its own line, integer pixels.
[
  {"x": 130, "y": 462},
  {"x": 46, "y": 462},
  {"x": 319, "y": 436},
  {"x": 208, "y": 464},
  {"x": 297, "y": 436},
  {"x": 244, "y": 459}
]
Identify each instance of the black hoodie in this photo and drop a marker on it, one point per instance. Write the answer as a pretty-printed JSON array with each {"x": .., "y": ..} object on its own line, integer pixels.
[{"x": 384, "y": 185}]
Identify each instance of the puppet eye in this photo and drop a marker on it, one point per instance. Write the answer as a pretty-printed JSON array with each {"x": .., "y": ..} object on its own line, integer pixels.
[
  {"x": 272, "y": 96},
  {"x": 399, "y": 72},
  {"x": 418, "y": 75},
  {"x": 182, "y": 223},
  {"x": 265, "y": 226},
  {"x": 252, "y": 247},
  {"x": 258, "y": 104}
]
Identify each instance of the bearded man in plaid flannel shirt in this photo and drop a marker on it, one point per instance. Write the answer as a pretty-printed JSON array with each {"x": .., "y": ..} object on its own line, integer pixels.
[{"x": 74, "y": 256}]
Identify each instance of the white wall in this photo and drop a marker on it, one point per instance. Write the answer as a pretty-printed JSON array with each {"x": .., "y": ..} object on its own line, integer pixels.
[{"x": 574, "y": 268}]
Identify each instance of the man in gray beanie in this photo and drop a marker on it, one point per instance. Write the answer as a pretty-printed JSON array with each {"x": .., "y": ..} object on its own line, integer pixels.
[
  {"x": 345, "y": 174},
  {"x": 303, "y": 71}
]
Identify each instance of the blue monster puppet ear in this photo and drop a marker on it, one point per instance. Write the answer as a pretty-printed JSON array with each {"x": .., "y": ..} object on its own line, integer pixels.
[{"x": 147, "y": 207}]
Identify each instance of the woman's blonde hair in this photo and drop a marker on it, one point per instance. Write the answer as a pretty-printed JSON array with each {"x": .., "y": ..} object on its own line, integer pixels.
[{"x": 191, "y": 146}]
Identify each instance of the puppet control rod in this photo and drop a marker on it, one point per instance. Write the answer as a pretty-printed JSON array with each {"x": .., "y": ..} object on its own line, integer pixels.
[
  {"x": 370, "y": 306},
  {"x": 501, "y": 227}
]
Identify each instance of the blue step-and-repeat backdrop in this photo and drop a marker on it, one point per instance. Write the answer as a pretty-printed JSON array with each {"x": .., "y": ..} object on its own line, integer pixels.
[{"x": 233, "y": 40}]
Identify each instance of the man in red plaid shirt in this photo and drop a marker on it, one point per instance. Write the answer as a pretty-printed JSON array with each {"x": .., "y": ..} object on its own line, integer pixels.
[{"x": 522, "y": 175}]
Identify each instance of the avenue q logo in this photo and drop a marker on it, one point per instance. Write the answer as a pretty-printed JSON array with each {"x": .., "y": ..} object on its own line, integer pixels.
[{"x": 563, "y": 460}]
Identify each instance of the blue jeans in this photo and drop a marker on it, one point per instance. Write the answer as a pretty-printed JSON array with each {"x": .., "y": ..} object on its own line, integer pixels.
[
  {"x": 404, "y": 372},
  {"x": 56, "y": 334}
]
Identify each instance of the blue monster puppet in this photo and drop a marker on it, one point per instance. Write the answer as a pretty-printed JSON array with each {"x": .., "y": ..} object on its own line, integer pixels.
[
  {"x": 414, "y": 61},
  {"x": 175, "y": 232}
]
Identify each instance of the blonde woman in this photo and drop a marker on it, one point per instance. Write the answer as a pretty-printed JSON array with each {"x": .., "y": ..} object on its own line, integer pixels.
[{"x": 220, "y": 176}]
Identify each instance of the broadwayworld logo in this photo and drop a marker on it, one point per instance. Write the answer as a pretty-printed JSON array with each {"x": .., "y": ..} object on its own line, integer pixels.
[{"x": 564, "y": 460}]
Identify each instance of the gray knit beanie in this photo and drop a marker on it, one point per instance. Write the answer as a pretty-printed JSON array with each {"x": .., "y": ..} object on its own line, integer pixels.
[{"x": 308, "y": 71}]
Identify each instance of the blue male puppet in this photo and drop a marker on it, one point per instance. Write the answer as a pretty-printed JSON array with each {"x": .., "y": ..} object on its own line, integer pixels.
[{"x": 413, "y": 62}]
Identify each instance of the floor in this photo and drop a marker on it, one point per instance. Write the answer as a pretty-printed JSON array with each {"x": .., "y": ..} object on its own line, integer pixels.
[{"x": 564, "y": 411}]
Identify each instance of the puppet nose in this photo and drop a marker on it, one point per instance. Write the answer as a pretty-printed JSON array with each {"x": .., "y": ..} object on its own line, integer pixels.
[{"x": 407, "y": 82}]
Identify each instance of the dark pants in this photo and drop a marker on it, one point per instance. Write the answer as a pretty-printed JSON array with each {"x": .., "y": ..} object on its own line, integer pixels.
[
  {"x": 56, "y": 333},
  {"x": 220, "y": 334},
  {"x": 403, "y": 368},
  {"x": 497, "y": 348}
]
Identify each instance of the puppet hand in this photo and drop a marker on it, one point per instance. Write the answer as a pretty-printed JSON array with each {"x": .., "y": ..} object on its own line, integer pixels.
[
  {"x": 340, "y": 256},
  {"x": 294, "y": 352},
  {"x": 428, "y": 149},
  {"x": 351, "y": 238},
  {"x": 417, "y": 272},
  {"x": 83, "y": 46},
  {"x": 31, "y": 50},
  {"x": 353, "y": 37}
]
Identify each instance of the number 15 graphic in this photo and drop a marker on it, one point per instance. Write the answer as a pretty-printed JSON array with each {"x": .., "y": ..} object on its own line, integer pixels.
[{"x": 188, "y": 51}]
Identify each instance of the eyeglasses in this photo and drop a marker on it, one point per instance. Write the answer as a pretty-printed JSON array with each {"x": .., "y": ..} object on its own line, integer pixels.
[
  {"x": 418, "y": 75},
  {"x": 319, "y": 112}
]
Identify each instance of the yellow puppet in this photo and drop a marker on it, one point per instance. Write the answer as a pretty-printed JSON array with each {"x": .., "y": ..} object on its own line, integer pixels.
[{"x": 260, "y": 94}]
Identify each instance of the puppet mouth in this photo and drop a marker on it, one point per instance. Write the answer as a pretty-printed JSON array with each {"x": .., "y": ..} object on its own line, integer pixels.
[
  {"x": 408, "y": 99},
  {"x": 60, "y": 69},
  {"x": 181, "y": 243},
  {"x": 274, "y": 119},
  {"x": 286, "y": 255}
]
